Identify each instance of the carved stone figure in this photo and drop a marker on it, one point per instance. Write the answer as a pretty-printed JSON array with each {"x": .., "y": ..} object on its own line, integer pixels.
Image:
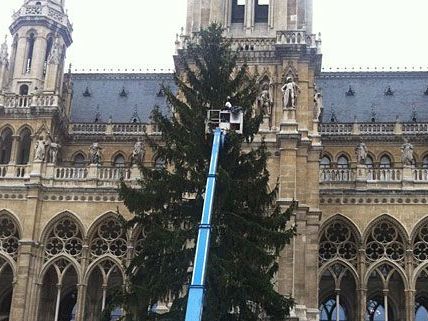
[
  {"x": 55, "y": 54},
  {"x": 265, "y": 100},
  {"x": 361, "y": 152},
  {"x": 138, "y": 153},
  {"x": 318, "y": 106},
  {"x": 290, "y": 90},
  {"x": 407, "y": 153},
  {"x": 95, "y": 153},
  {"x": 3, "y": 53},
  {"x": 40, "y": 150},
  {"x": 53, "y": 151}
]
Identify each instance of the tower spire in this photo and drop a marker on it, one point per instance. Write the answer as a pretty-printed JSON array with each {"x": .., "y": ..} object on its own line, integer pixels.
[{"x": 3, "y": 52}]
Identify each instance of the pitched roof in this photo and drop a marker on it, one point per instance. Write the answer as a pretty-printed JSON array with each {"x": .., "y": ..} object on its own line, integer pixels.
[
  {"x": 120, "y": 97},
  {"x": 382, "y": 95}
]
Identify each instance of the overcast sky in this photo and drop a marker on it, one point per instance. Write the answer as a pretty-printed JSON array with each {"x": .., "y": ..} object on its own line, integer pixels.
[{"x": 141, "y": 33}]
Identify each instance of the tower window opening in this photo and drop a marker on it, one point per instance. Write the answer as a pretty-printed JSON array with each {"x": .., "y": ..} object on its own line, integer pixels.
[
  {"x": 30, "y": 52},
  {"x": 48, "y": 51},
  {"x": 5, "y": 146},
  {"x": 24, "y": 148},
  {"x": 261, "y": 10},
  {"x": 238, "y": 11},
  {"x": 23, "y": 90}
]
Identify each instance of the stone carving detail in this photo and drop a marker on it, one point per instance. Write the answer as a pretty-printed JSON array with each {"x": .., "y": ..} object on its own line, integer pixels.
[
  {"x": 290, "y": 91},
  {"x": 385, "y": 241},
  {"x": 54, "y": 148},
  {"x": 40, "y": 149},
  {"x": 9, "y": 236},
  {"x": 361, "y": 152},
  {"x": 95, "y": 153},
  {"x": 318, "y": 105},
  {"x": 55, "y": 54},
  {"x": 65, "y": 237},
  {"x": 337, "y": 241},
  {"x": 407, "y": 153},
  {"x": 138, "y": 153},
  {"x": 3, "y": 53},
  {"x": 110, "y": 238},
  {"x": 420, "y": 244},
  {"x": 265, "y": 101}
]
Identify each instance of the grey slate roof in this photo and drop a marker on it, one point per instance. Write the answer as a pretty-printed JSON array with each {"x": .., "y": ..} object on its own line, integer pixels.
[
  {"x": 141, "y": 91},
  {"x": 408, "y": 99}
]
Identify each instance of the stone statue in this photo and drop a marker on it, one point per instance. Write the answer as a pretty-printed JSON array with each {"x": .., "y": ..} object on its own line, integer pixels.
[
  {"x": 55, "y": 54},
  {"x": 40, "y": 150},
  {"x": 53, "y": 151},
  {"x": 290, "y": 90},
  {"x": 361, "y": 152},
  {"x": 95, "y": 153},
  {"x": 3, "y": 53},
  {"x": 407, "y": 153},
  {"x": 138, "y": 153},
  {"x": 265, "y": 100},
  {"x": 318, "y": 106}
]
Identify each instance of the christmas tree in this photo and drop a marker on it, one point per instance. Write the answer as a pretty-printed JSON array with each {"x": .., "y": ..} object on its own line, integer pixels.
[{"x": 249, "y": 229}]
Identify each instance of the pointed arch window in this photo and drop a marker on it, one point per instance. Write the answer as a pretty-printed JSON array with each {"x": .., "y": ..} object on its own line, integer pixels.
[
  {"x": 325, "y": 162},
  {"x": 369, "y": 162},
  {"x": 5, "y": 146},
  {"x": 238, "y": 11},
  {"x": 30, "y": 51},
  {"x": 48, "y": 51},
  {"x": 261, "y": 12},
  {"x": 24, "y": 148},
  {"x": 425, "y": 162},
  {"x": 328, "y": 311},
  {"x": 342, "y": 162},
  {"x": 79, "y": 160},
  {"x": 385, "y": 162},
  {"x": 119, "y": 161}
]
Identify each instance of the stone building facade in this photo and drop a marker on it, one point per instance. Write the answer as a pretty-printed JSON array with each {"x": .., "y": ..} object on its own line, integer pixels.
[{"x": 350, "y": 147}]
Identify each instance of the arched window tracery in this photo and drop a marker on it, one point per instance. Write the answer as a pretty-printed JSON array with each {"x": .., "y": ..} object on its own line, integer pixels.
[
  {"x": 24, "y": 148},
  {"x": 420, "y": 244},
  {"x": 6, "y": 146},
  {"x": 385, "y": 241},
  {"x": 64, "y": 237},
  {"x": 109, "y": 238},
  {"x": 338, "y": 241},
  {"x": 9, "y": 236}
]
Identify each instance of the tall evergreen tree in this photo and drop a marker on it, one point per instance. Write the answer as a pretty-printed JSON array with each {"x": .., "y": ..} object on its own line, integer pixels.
[{"x": 249, "y": 229}]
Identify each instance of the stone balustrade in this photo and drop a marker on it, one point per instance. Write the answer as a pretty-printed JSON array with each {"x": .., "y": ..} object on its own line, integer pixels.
[
  {"x": 27, "y": 101},
  {"x": 373, "y": 129},
  {"x": 297, "y": 37},
  {"x": 248, "y": 44},
  {"x": 337, "y": 175},
  {"x": 384, "y": 174},
  {"x": 43, "y": 10},
  {"x": 112, "y": 129}
]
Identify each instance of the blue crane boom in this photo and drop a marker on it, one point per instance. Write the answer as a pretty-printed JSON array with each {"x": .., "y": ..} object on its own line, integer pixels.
[{"x": 197, "y": 287}]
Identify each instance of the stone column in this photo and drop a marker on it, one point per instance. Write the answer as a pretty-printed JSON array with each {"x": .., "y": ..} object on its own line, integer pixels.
[
  {"x": 82, "y": 286},
  {"x": 21, "y": 298},
  {"x": 20, "y": 63},
  {"x": 408, "y": 176},
  {"x": 361, "y": 176},
  {"x": 410, "y": 304}
]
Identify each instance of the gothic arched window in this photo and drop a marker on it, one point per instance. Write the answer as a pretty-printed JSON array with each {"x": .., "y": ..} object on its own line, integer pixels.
[
  {"x": 337, "y": 241},
  {"x": 48, "y": 51},
  {"x": 342, "y": 162},
  {"x": 425, "y": 162},
  {"x": 65, "y": 237},
  {"x": 79, "y": 160},
  {"x": 369, "y": 162},
  {"x": 325, "y": 162},
  {"x": 238, "y": 11},
  {"x": 30, "y": 51},
  {"x": 5, "y": 146},
  {"x": 24, "y": 147},
  {"x": 385, "y": 162},
  {"x": 385, "y": 241},
  {"x": 23, "y": 90},
  {"x": 9, "y": 236},
  {"x": 261, "y": 12},
  {"x": 420, "y": 243},
  {"x": 119, "y": 161},
  {"x": 109, "y": 238}
]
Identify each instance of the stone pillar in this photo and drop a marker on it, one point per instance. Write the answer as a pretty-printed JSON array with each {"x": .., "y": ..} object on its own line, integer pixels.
[
  {"x": 361, "y": 176},
  {"x": 21, "y": 298},
  {"x": 410, "y": 296},
  {"x": 408, "y": 176},
  {"x": 20, "y": 63},
  {"x": 51, "y": 78},
  {"x": 249, "y": 16},
  {"x": 82, "y": 286}
]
